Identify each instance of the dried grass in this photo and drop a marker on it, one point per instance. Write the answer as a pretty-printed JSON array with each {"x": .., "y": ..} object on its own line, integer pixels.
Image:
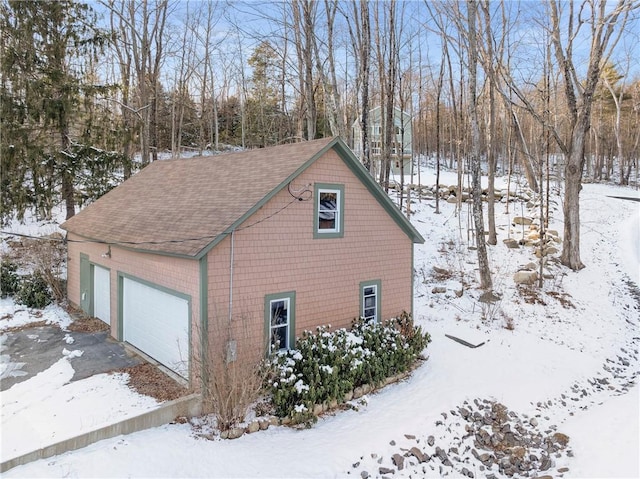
[{"x": 148, "y": 380}]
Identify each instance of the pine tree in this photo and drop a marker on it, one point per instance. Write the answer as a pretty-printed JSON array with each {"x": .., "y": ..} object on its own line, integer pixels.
[{"x": 47, "y": 52}]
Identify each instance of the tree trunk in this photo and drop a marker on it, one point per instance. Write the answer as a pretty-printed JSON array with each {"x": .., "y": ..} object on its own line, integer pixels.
[{"x": 476, "y": 189}]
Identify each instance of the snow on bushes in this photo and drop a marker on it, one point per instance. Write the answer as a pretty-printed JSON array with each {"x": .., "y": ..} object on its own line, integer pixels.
[{"x": 328, "y": 365}]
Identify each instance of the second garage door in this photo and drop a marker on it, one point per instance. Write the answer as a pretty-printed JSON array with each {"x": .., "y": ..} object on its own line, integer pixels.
[{"x": 157, "y": 323}]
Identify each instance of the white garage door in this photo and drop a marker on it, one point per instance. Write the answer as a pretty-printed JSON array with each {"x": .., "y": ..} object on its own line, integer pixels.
[
  {"x": 157, "y": 323},
  {"x": 101, "y": 294}
]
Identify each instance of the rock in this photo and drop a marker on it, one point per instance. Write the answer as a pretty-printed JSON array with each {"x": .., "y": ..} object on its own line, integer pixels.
[
  {"x": 411, "y": 437},
  {"x": 466, "y": 472},
  {"x": 525, "y": 277},
  {"x": 235, "y": 432},
  {"x": 438, "y": 290},
  {"x": 254, "y": 426},
  {"x": 562, "y": 470},
  {"x": 442, "y": 271},
  {"x": 534, "y": 422},
  {"x": 419, "y": 455},
  {"x": 464, "y": 412},
  {"x": 318, "y": 409},
  {"x": 264, "y": 424},
  {"x": 545, "y": 463},
  {"x": 560, "y": 438},
  {"x": 385, "y": 470},
  {"x": 431, "y": 440},
  {"x": 398, "y": 461},
  {"x": 511, "y": 243},
  {"x": 364, "y": 475},
  {"x": 519, "y": 220}
]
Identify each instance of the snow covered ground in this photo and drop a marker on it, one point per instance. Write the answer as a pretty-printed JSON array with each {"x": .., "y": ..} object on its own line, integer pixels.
[{"x": 566, "y": 356}]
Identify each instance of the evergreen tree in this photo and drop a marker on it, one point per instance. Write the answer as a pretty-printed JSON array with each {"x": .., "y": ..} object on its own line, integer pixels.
[{"x": 47, "y": 95}]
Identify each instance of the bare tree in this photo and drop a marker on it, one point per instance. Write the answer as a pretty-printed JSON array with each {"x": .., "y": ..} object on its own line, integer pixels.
[
  {"x": 606, "y": 24},
  {"x": 476, "y": 190}
]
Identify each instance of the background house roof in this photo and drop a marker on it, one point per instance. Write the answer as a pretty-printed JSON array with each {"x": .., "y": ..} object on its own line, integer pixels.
[{"x": 181, "y": 207}]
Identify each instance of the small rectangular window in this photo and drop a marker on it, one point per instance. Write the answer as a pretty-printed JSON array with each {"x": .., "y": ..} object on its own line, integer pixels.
[
  {"x": 279, "y": 320},
  {"x": 328, "y": 214},
  {"x": 370, "y": 300},
  {"x": 328, "y": 211},
  {"x": 279, "y": 315}
]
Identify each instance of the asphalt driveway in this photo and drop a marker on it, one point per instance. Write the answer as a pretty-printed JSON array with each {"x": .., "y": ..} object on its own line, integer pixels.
[{"x": 25, "y": 353}]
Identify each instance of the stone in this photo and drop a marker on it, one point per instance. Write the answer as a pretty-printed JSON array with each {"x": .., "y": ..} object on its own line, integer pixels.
[
  {"x": 511, "y": 243},
  {"x": 520, "y": 220},
  {"x": 235, "y": 432},
  {"x": 562, "y": 470},
  {"x": 525, "y": 277},
  {"x": 385, "y": 470},
  {"x": 442, "y": 271},
  {"x": 318, "y": 409},
  {"x": 264, "y": 424},
  {"x": 419, "y": 455},
  {"x": 254, "y": 426},
  {"x": 466, "y": 472},
  {"x": 545, "y": 463},
  {"x": 431, "y": 440},
  {"x": 398, "y": 461},
  {"x": 411, "y": 437},
  {"x": 464, "y": 412},
  {"x": 438, "y": 290},
  {"x": 364, "y": 475},
  {"x": 534, "y": 422}
]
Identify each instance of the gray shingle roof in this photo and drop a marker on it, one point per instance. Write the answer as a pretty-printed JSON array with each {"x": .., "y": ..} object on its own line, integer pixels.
[{"x": 179, "y": 207}]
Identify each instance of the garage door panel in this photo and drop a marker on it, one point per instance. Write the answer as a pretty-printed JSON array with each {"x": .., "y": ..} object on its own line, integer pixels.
[{"x": 157, "y": 323}]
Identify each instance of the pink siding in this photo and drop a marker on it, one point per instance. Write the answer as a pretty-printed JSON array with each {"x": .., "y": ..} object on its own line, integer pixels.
[
  {"x": 280, "y": 255},
  {"x": 274, "y": 252},
  {"x": 178, "y": 274}
]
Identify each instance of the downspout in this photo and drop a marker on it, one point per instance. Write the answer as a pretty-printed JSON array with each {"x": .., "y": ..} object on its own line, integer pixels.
[{"x": 231, "y": 277}]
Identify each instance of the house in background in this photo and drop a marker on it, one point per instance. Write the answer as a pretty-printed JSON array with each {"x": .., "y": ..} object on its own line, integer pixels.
[
  {"x": 240, "y": 253},
  {"x": 401, "y": 144}
]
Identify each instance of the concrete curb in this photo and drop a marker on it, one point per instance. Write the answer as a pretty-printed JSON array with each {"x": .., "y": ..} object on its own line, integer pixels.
[{"x": 187, "y": 406}]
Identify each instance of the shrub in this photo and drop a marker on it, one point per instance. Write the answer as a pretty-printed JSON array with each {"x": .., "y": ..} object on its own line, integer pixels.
[
  {"x": 34, "y": 292},
  {"x": 328, "y": 365},
  {"x": 9, "y": 280}
]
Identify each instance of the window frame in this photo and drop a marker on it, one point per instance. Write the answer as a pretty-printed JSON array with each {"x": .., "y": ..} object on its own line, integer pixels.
[
  {"x": 338, "y": 231},
  {"x": 377, "y": 284},
  {"x": 290, "y": 297}
]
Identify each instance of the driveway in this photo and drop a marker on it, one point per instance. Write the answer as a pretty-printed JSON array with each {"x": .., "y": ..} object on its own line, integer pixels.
[{"x": 25, "y": 353}]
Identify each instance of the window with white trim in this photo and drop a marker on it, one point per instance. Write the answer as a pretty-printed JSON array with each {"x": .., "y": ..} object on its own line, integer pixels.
[
  {"x": 328, "y": 211},
  {"x": 370, "y": 300},
  {"x": 280, "y": 321}
]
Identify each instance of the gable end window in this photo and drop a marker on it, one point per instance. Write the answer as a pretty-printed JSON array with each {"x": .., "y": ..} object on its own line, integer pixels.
[
  {"x": 279, "y": 315},
  {"x": 328, "y": 211},
  {"x": 370, "y": 300}
]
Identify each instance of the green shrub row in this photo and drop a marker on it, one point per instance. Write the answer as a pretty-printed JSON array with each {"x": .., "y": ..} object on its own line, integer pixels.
[
  {"x": 326, "y": 366},
  {"x": 30, "y": 290}
]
